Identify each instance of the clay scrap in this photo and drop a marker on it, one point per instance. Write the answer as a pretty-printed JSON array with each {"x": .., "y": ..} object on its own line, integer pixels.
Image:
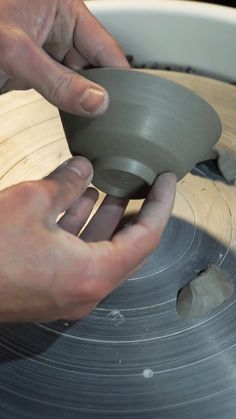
[{"x": 205, "y": 293}]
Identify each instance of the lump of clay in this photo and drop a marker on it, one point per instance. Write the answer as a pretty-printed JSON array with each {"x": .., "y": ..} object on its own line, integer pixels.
[
  {"x": 226, "y": 161},
  {"x": 205, "y": 293}
]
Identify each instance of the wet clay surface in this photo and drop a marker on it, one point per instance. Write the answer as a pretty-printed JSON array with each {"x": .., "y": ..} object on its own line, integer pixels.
[{"x": 152, "y": 126}]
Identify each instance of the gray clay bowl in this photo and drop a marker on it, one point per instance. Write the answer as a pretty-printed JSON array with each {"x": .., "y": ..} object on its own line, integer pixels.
[{"x": 152, "y": 126}]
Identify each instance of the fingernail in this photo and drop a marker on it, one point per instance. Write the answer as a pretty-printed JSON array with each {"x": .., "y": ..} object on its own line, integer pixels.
[
  {"x": 94, "y": 101},
  {"x": 81, "y": 166}
]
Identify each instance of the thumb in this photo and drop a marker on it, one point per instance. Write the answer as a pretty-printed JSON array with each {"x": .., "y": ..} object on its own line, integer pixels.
[
  {"x": 67, "y": 183},
  {"x": 32, "y": 66}
]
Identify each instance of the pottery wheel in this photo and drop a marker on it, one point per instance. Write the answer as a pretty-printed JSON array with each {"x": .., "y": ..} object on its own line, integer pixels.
[{"x": 133, "y": 356}]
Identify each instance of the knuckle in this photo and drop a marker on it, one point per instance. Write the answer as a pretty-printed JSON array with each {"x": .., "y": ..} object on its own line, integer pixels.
[
  {"x": 60, "y": 87},
  {"x": 28, "y": 191},
  {"x": 94, "y": 289},
  {"x": 12, "y": 44},
  {"x": 7, "y": 53},
  {"x": 151, "y": 235},
  {"x": 113, "y": 43},
  {"x": 34, "y": 194},
  {"x": 104, "y": 48}
]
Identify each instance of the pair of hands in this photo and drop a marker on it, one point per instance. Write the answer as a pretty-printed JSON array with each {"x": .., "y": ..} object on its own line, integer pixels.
[{"x": 47, "y": 272}]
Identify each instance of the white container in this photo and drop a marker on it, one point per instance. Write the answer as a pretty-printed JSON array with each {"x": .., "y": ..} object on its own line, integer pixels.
[{"x": 199, "y": 35}]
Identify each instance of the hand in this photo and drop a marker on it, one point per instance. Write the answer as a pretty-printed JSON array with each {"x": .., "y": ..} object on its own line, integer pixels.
[
  {"x": 42, "y": 42},
  {"x": 46, "y": 272}
]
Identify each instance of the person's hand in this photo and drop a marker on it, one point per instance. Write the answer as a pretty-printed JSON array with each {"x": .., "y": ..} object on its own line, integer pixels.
[
  {"x": 43, "y": 41},
  {"x": 47, "y": 272}
]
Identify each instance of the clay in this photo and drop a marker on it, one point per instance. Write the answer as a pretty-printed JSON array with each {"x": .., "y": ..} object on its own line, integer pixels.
[
  {"x": 152, "y": 126},
  {"x": 226, "y": 160},
  {"x": 205, "y": 293}
]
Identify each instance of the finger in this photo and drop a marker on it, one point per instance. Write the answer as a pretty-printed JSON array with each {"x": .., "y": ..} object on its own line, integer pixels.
[
  {"x": 132, "y": 245},
  {"x": 74, "y": 60},
  {"x": 79, "y": 311},
  {"x": 105, "y": 221},
  {"x": 3, "y": 78},
  {"x": 60, "y": 85},
  {"x": 95, "y": 43},
  {"x": 76, "y": 216},
  {"x": 146, "y": 231},
  {"x": 13, "y": 85},
  {"x": 67, "y": 183}
]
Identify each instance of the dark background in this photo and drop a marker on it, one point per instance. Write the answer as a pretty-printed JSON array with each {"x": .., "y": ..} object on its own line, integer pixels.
[{"x": 231, "y": 3}]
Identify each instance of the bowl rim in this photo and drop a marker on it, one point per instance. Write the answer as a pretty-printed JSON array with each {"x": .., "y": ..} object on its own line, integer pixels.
[
  {"x": 145, "y": 74},
  {"x": 176, "y": 7}
]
